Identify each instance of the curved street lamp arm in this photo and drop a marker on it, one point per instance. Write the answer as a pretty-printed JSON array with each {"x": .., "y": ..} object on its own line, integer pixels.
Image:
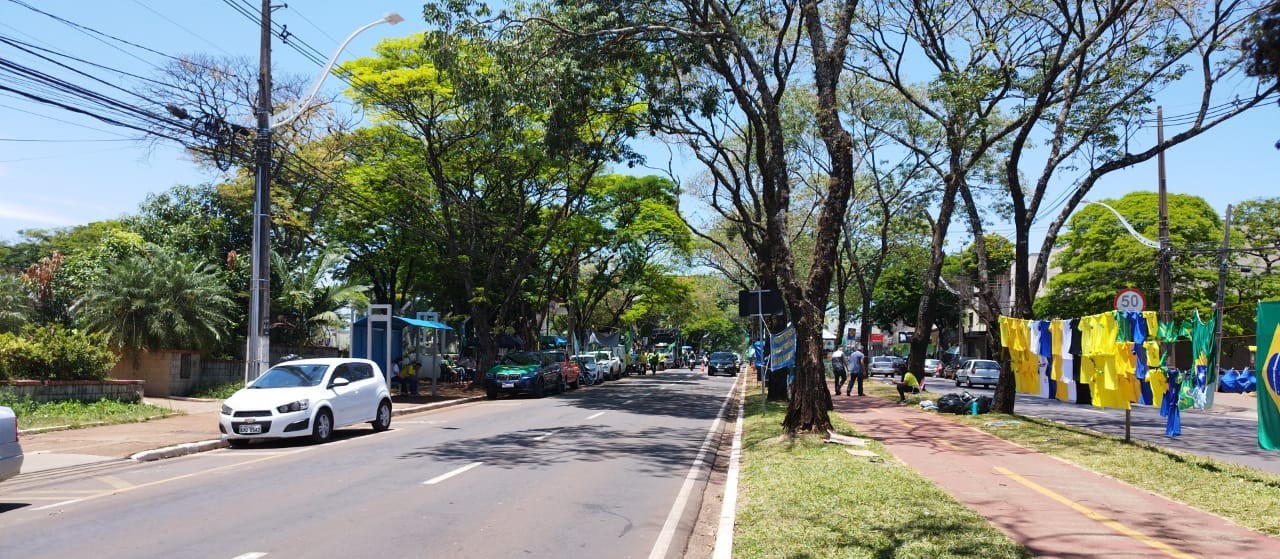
[
  {"x": 1125, "y": 222},
  {"x": 391, "y": 18}
]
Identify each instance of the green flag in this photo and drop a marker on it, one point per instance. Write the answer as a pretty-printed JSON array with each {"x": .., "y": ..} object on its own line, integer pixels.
[{"x": 1267, "y": 361}]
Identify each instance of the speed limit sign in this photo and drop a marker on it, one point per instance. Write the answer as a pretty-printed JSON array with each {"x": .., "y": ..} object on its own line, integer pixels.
[{"x": 1130, "y": 299}]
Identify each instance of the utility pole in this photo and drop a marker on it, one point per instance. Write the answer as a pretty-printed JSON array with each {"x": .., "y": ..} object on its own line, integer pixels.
[
  {"x": 258, "y": 350},
  {"x": 1215, "y": 364},
  {"x": 1166, "y": 279}
]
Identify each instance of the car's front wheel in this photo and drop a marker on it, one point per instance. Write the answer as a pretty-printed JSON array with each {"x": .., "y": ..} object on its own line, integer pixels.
[
  {"x": 383, "y": 420},
  {"x": 539, "y": 389},
  {"x": 957, "y": 381},
  {"x": 238, "y": 443},
  {"x": 491, "y": 393},
  {"x": 322, "y": 429}
]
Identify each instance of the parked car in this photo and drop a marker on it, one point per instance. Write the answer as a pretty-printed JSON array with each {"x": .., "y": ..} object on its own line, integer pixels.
[
  {"x": 949, "y": 370},
  {"x": 307, "y": 397},
  {"x": 900, "y": 363},
  {"x": 524, "y": 371},
  {"x": 886, "y": 365},
  {"x": 978, "y": 371},
  {"x": 933, "y": 367},
  {"x": 591, "y": 367},
  {"x": 610, "y": 363},
  {"x": 10, "y": 448},
  {"x": 570, "y": 372},
  {"x": 722, "y": 362}
]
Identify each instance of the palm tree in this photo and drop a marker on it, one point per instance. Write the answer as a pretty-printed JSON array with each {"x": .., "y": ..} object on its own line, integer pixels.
[
  {"x": 159, "y": 300},
  {"x": 309, "y": 297},
  {"x": 15, "y": 303}
]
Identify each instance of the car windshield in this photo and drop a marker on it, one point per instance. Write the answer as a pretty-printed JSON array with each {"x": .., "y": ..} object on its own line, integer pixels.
[
  {"x": 603, "y": 356},
  {"x": 520, "y": 358},
  {"x": 722, "y": 356},
  {"x": 585, "y": 359},
  {"x": 882, "y": 359},
  {"x": 557, "y": 356},
  {"x": 991, "y": 365},
  {"x": 291, "y": 376}
]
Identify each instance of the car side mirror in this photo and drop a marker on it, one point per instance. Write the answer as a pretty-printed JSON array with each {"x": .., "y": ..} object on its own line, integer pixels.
[{"x": 340, "y": 381}]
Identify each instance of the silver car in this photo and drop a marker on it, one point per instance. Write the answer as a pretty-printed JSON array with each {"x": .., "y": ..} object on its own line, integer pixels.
[
  {"x": 885, "y": 365},
  {"x": 10, "y": 449},
  {"x": 978, "y": 371}
]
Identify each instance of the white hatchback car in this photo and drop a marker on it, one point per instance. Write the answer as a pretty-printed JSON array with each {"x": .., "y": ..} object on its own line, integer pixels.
[
  {"x": 307, "y": 397},
  {"x": 10, "y": 449}
]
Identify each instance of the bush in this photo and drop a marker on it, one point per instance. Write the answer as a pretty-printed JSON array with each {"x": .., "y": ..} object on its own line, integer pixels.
[{"x": 55, "y": 353}]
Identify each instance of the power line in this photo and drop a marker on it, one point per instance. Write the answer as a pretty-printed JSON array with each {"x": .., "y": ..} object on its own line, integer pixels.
[
  {"x": 182, "y": 27},
  {"x": 53, "y": 140}
]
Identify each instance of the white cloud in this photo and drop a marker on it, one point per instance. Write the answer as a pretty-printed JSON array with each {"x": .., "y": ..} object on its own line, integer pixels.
[{"x": 9, "y": 210}]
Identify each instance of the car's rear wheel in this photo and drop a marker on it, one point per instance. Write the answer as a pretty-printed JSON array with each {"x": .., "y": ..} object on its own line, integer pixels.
[
  {"x": 492, "y": 393},
  {"x": 957, "y": 382},
  {"x": 322, "y": 429},
  {"x": 238, "y": 443},
  {"x": 382, "y": 421}
]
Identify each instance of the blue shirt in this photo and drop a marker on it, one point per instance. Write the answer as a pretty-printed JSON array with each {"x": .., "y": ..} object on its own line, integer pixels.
[{"x": 855, "y": 362}]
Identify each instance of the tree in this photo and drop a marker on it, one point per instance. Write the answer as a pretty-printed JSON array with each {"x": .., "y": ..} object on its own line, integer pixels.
[
  {"x": 308, "y": 298},
  {"x": 509, "y": 137},
  {"x": 1099, "y": 257},
  {"x": 15, "y": 303},
  {"x": 161, "y": 300},
  {"x": 1262, "y": 45},
  {"x": 898, "y": 292}
]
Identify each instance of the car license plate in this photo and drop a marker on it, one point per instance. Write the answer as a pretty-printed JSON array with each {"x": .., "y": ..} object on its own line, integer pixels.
[
  {"x": 252, "y": 429},
  {"x": 508, "y": 385}
]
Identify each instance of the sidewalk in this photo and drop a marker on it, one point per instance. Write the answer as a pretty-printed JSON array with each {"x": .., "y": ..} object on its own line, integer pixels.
[
  {"x": 194, "y": 431},
  {"x": 1054, "y": 508}
]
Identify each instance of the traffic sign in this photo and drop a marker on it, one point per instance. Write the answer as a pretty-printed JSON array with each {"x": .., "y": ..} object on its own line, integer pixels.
[{"x": 1130, "y": 299}]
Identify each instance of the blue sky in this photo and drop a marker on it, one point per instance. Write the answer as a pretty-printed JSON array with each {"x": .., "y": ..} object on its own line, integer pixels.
[{"x": 86, "y": 173}]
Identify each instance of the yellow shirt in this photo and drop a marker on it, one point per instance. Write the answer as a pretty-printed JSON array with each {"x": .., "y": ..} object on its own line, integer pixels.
[{"x": 910, "y": 380}]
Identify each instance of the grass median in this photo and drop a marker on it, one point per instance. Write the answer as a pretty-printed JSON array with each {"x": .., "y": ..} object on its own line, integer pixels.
[
  {"x": 1245, "y": 496},
  {"x": 803, "y": 498},
  {"x": 72, "y": 413}
]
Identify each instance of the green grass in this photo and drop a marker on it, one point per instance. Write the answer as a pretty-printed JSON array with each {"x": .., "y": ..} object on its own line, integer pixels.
[
  {"x": 1198, "y": 481},
  {"x": 802, "y": 498},
  {"x": 216, "y": 391},
  {"x": 35, "y": 415}
]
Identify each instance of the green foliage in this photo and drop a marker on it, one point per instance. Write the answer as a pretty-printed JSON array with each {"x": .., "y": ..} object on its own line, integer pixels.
[
  {"x": 215, "y": 391},
  {"x": 999, "y": 257},
  {"x": 898, "y": 293},
  {"x": 36, "y": 415},
  {"x": 159, "y": 301},
  {"x": 308, "y": 298},
  {"x": 55, "y": 353},
  {"x": 15, "y": 303},
  {"x": 1262, "y": 45},
  {"x": 1099, "y": 257}
]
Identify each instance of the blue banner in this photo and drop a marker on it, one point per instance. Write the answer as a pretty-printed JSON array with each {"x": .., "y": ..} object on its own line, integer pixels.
[{"x": 782, "y": 349}]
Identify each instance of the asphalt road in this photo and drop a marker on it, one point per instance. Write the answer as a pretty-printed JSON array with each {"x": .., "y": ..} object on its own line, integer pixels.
[
  {"x": 1231, "y": 439},
  {"x": 597, "y": 472}
]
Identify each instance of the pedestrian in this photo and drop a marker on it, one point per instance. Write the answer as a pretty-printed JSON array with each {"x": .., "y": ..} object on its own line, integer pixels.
[
  {"x": 409, "y": 379},
  {"x": 857, "y": 371},
  {"x": 839, "y": 367},
  {"x": 908, "y": 384}
]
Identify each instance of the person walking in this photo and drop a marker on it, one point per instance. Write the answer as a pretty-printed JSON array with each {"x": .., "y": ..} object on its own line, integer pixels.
[
  {"x": 857, "y": 371},
  {"x": 839, "y": 368}
]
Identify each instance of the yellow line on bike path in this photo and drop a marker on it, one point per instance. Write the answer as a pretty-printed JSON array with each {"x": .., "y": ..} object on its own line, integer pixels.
[{"x": 1100, "y": 518}]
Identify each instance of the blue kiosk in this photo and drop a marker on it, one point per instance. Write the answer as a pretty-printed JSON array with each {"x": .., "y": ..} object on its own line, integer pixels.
[{"x": 369, "y": 340}]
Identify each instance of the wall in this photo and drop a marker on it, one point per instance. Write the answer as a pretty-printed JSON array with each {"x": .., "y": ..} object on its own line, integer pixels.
[
  {"x": 166, "y": 372},
  {"x": 83, "y": 390}
]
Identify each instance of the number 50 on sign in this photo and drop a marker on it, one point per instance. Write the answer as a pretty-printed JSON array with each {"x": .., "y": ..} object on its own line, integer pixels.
[{"x": 1130, "y": 299}]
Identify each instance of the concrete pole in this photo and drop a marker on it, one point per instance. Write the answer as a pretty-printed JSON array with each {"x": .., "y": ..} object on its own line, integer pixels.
[{"x": 258, "y": 349}]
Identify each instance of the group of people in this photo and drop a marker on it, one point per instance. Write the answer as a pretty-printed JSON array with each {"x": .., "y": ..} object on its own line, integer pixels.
[
  {"x": 405, "y": 372},
  {"x": 854, "y": 368}
]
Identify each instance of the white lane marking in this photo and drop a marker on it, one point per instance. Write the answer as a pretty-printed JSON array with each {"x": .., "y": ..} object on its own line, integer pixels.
[
  {"x": 56, "y": 505},
  {"x": 251, "y": 555},
  {"x": 443, "y": 477},
  {"x": 729, "y": 503},
  {"x": 669, "y": 527},
  {"x": 544, "y": 436},
  {"x": 593, "y": 416},
  {"x": 627, "y": 402}
]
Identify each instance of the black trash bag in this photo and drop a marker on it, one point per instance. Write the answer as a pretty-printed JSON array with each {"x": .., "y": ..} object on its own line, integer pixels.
[{"x": 950, "y": 403}]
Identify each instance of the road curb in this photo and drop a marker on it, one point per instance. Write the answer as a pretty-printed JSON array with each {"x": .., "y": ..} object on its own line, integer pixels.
[
  {"x": 178, "y": 450},
  {"x": 435, "y": 405},
  {"x": 214, "y": 444}
]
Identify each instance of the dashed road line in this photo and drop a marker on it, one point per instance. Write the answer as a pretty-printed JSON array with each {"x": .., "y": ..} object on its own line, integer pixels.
[
  {"x": 593, "y": 416},
  {"x": 448, "y": 475},
  {"x": 544, "y": 436},
  {"x": 251, "y": 555},
  {"x": 1101, "y": 519},
  {"x": 56, "y": 505}
]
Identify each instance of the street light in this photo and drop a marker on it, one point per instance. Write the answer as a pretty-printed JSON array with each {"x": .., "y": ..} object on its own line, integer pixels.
[{"x": 258, "y": 347}]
